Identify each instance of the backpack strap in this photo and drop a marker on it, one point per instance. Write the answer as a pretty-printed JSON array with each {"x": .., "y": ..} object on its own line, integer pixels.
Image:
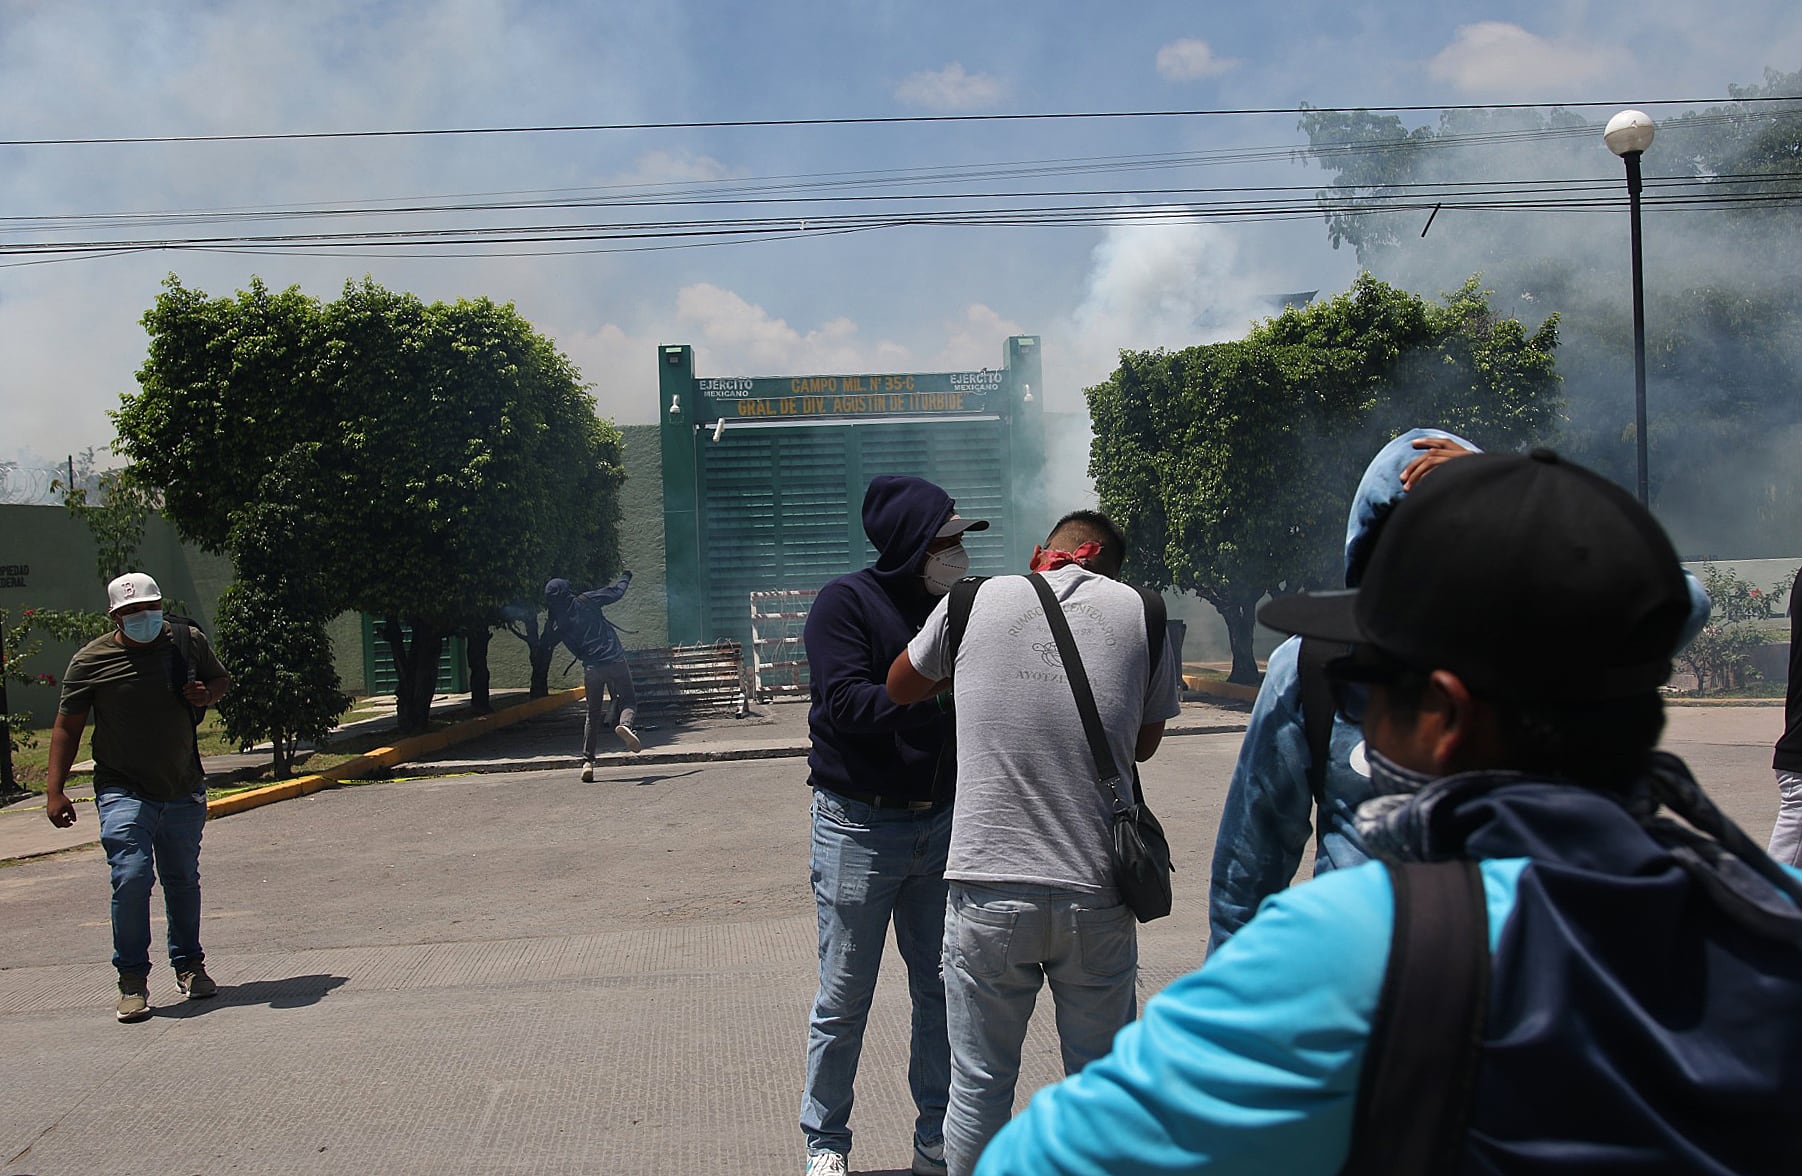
[
  {"x": 957, "y": 614},
  {"x": 1157, "y": 632},
  {"x": 1420, "y": 1063},
  {"x": 1317, "y": 708},
  {"x": 182, "y": 671}
]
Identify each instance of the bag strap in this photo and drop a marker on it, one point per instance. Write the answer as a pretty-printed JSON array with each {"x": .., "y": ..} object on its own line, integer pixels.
[
  {"x": 181, "y": 636},
  {"x": 1420, "y": 1064},
  {"x": 1157, "y": 632},
  {"x": 1107, "y": 772},
  {"x": 1317, "y": 708},
  {"x": 957, "y": 614}
]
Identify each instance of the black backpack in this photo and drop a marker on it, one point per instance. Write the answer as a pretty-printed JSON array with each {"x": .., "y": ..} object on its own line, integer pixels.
[{"x": 181, "y": 659}]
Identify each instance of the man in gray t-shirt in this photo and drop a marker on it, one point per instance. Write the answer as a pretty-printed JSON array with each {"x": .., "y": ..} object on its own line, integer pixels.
[{"x": 1030, "y": 869}]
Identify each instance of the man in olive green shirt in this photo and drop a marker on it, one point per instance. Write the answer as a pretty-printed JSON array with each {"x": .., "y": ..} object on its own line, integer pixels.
[{"x": 140, "y": 682}]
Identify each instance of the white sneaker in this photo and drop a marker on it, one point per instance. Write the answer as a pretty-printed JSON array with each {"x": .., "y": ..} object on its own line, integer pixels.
[
  {"x": 630, "y": 738},
  {"x": 826, "y": 1164},
  {"x": 588, "y": 773}
]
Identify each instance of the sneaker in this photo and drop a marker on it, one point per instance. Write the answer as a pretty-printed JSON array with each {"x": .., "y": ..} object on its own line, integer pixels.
[
  {"x": 929, "y": 1158},
  {"x": 826, "y": 1164},
  {"x": 134, "y": 998},
  {"x": 196, "y": 984},
  {"x": 587, "y": 773},
  {"x": 630, "y": 738}
]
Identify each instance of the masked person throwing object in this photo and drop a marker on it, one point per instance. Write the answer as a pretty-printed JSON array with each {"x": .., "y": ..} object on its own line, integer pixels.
[
  {"x": 882, "y": 776},
  {"x": 140, "y": 682},
  {"x": 589, "y": 635}
]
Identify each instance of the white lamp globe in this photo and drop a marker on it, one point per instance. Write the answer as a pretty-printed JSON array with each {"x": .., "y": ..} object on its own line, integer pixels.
[{"x": 1628, "y": 132}]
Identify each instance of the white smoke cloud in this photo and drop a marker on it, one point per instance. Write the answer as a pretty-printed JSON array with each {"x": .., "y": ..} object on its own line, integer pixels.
[
  {"x": 1173, "y": 285},
  {"x": 1190, "y": 60},
  {"x": 950, "y": 89},
  {"x": 1495, "y": 57}
]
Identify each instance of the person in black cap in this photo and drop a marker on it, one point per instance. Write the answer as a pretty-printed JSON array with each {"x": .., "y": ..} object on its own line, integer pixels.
[{"x": 1628, "y": 997}]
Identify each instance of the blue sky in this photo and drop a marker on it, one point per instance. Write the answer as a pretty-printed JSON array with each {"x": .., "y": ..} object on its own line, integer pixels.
[{"x": 897, "y": 299}]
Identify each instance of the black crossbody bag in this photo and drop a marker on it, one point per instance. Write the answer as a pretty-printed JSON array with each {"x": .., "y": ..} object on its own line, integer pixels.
[{"x": 1140, "y": 850}]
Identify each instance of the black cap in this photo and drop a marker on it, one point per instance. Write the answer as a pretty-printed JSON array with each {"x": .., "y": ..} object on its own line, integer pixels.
[{"x": 1531, "y": 578}]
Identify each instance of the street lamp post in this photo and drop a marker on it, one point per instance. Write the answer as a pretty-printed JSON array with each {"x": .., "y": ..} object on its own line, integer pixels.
[{"x": 1628, "y": 134}]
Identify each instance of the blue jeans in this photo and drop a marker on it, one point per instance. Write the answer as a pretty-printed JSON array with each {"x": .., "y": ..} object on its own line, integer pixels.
[
  {"x": 1001, "y": 940},
  {"x": 147, "y": 840},
  {"x": 870, "y": 866}
]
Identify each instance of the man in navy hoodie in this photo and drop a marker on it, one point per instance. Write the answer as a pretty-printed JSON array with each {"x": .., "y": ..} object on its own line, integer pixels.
[{"x": 882, "y": 777}]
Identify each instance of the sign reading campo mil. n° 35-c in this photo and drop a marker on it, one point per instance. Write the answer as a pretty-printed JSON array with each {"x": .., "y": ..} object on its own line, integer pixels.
[{"x": 826, "y": 396}]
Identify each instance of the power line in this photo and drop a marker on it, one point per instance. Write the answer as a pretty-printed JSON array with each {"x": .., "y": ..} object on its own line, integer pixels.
[{"x": 868, "y": 120}]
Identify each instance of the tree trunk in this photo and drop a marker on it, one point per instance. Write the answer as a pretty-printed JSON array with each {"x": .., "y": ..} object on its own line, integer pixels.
[
  {"x": 1241, "y": 619},
  {"x": 479, "y": 701},
  {"x": 543, "y": 647},
  {"x": 283, "y": 746},
  {"x": 416, "y": 673}
]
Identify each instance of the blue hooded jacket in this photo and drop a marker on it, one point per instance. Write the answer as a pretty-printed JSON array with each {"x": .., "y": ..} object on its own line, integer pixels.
[
  {"x": 584, "y": 630},
  {"x": 1269, "y": 809},
  {"x": 861, "y": 741}
]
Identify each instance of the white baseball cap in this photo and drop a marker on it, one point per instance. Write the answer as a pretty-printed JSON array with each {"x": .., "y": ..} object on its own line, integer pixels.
[{"x": 131, "y": 588}]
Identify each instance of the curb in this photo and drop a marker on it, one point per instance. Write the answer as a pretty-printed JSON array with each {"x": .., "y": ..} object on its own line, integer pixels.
[
  {"x": 386, "y": 757},
  {"x": 1214, "y": 688}
]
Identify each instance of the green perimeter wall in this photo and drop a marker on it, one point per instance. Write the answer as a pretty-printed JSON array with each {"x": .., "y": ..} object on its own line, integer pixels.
[{"x": 58, "y": 556}]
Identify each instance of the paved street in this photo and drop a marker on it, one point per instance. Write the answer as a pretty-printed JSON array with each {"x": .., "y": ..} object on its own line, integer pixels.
[{"x": 518, "y": 972}]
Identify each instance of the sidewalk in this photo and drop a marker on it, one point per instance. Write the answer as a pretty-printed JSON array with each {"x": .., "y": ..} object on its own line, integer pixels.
[{"x": 549, "y": 737}]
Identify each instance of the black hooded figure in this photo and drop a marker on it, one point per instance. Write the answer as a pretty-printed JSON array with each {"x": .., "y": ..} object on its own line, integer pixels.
[
  {"x": 881, "y": 814},
  {"x": 590, "y": 636}
]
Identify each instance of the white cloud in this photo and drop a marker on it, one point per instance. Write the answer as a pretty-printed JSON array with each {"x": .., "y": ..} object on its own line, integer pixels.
[
  {"x": 734, "y": 336},
  {"x": 655, "y": 168},
  {"x": 1189, "y": 60},
  {"x": 974, "y": 339},
  {"x": 1495, "y": 57},
  {"x": 950, "y": 89}
]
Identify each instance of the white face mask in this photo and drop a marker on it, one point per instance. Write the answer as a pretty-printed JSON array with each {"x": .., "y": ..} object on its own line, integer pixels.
[
  {"x": 143, "y": 627},
  {"x": 945, "y": 568}
]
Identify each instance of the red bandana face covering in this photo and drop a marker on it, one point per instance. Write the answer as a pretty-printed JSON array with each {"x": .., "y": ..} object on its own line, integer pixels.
[{"x": 1049, "y": 560}]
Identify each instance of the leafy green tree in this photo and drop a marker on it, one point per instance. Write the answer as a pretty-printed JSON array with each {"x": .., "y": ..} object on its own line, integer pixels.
[
  {"x": 114, "y": 511},
  {"x": 1721, "y": 654},
  {"x": 1723, "y": 314},
  {"x": 450, "y": 447},
  {"x": 271, "y": 620},
  {"x": 1232, "y": 465}
]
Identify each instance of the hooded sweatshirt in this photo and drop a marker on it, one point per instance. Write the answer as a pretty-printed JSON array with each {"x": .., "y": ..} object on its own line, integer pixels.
[
  {"x": 583, "y": 628},
  {"x": 1644, "y": 1011},
  {"x": 1269, "y": 809},
  {"x": 861, "y": 741}
]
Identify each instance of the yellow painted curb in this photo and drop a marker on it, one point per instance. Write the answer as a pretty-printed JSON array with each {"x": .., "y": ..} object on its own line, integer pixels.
[
  {"x": 387, "y": 757},
  {"x": 1214, "y": 688}
]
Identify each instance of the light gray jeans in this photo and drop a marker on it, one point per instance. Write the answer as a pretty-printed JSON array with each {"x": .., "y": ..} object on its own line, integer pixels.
[
  {"x": 1786, "y": 836},
  {"x": 1002, "y": 942}
]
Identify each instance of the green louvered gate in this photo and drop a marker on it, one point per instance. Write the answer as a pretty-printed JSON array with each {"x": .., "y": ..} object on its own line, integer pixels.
[
  {"x": 782, "y": 508},
  {"x": 764, "y": 477}
]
